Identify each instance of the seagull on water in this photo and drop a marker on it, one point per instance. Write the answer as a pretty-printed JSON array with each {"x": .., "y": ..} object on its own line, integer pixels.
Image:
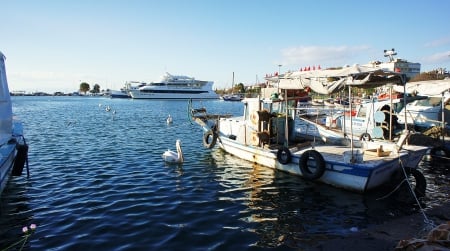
[{"x": 169, "y": 119}]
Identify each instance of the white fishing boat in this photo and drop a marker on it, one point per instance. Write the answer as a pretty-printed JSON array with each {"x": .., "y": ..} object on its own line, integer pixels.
[
  {"x": 175, "y": 87},
  {"x": 432, "y": 111},
  {"x": 373, "y": 119},
  {"x": 13, "y": 148},
  {"x": 264, "y": 134}
]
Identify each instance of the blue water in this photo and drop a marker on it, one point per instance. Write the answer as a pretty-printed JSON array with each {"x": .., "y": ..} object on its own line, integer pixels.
[{"x": 98, "y": 182}]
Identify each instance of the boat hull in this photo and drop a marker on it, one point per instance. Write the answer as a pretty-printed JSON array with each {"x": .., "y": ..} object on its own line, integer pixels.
[
  {"x": 8, "y": 153},
  {"x": 358, "y": 177},
  {"x": 172, "y": 95}
]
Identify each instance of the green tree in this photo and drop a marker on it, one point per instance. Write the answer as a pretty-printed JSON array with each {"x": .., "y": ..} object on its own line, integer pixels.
[
  {"x": 240, "y": 88},
  {"x": 84, "y": 87},
  {"x": 96, "y": 89}
]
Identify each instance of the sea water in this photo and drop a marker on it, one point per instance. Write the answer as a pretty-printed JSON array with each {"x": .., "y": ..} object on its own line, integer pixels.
[{"x": 98, "y": 182}]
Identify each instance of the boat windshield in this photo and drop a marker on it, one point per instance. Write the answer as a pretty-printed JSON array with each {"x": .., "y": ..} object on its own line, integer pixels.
[
  {"x": 362, "y": 111},
  {"x": 431, "y": 101}
]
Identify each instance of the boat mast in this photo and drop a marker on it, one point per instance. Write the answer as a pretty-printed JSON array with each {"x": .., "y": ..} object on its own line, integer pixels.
[{"x": 232, "y": 85}]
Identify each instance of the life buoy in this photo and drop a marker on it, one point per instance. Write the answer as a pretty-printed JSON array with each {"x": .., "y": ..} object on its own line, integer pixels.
[
  {"x": 209, "y": 139},
  {"x": 254, "y": 139},
  {"x": 318, "y": 169},
  {"x": 365, "y": 137},
  {"x": 254, "y": 117},
  {"x": 259, "y": 116},
  {"x": 284, "y": 155}
]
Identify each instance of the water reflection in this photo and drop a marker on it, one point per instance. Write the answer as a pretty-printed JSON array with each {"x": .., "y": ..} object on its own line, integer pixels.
[
  {"x": 284, "y": 209},
  {"x": 15, "y": 211}
]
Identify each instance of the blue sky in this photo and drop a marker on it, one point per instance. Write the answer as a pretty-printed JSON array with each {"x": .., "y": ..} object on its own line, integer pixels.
[{"x": 54, "y": 45}]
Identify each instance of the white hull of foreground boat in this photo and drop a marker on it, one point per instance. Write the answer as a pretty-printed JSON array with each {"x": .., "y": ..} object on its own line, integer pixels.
[
  {"x": 372, "y": 172},
  {"x": 8, "y": 155},
  {"x": 11, "y": 134}
]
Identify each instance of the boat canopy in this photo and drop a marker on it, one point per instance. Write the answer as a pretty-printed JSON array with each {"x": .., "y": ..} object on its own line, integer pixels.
[
  {"x": 426, "y": 88},
  {"x": 332, "y": 81}
]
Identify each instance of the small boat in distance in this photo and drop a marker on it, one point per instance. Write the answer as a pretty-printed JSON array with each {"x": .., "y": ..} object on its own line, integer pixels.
[
  {"x": 124, "y": 92},
  {"x": 175, "y": 87},
  {"x": 233, "y": 96},
  {"x": 13, "y": 148},
  {"x": 119, "y": 94}
]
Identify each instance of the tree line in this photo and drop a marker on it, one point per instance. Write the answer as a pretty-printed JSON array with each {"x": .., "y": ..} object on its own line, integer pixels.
[{"x": 85, "y": 87}]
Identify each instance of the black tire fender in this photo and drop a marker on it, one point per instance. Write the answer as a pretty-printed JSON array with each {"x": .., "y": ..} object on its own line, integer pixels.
[
  {"x": 284, "y": 156},
  {"x": 319, "y": 165},
  {"x": 209, "y": 139},
  {"x": 365, "y": 137},
  {"x": 420, "y": 182}
]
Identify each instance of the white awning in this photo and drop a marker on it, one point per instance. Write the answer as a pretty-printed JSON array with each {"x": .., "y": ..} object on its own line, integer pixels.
[
  {"x": 426, "y": 88},
  {"x": 331, "y": 81}
]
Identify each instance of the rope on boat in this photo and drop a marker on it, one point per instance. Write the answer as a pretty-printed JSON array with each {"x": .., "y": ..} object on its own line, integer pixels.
[{"x": 429, "y": 224}]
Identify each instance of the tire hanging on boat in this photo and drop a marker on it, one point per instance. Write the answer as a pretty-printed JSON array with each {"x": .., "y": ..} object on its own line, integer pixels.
[
  {"x": 365, "y": 137},
  {"x": 284, "y": 156},
  {"x": 416, "y": 180},
  {"x": 209, "y": 139},
  {"x": 319, "y": 167},
  {"x": 19, "y": 162},
  {"x": 420, "y": 182}
]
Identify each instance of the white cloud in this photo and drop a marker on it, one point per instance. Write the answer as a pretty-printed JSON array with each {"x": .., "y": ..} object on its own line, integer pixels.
[
  {"x": 438, "y": 42},
  {"x": 439, "y": 57},
  {"x": 329, "y": 55}
]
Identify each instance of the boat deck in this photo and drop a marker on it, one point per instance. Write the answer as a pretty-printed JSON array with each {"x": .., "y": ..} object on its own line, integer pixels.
[{"x": 338, "y": 154}]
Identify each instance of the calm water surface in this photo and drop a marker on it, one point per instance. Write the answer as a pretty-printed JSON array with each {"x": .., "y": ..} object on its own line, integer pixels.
[{"x": 98, "y": 182}]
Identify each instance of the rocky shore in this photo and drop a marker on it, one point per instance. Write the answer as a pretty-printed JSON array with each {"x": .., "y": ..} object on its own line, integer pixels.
[{"x": 386, "y": 236}]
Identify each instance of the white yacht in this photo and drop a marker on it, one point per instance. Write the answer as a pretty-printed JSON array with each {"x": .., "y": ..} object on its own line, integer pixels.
[{"x": 175, "y": 87}]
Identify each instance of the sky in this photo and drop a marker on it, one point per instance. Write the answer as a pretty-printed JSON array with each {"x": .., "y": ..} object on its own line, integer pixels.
[{"x": 54, "y": 45}]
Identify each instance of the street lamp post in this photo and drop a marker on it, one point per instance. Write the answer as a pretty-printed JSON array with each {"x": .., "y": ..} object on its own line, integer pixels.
[{"x": 279, "y": 72}]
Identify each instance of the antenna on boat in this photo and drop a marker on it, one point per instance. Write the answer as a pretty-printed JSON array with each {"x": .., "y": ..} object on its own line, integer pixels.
[{"x": 390, "y": 54}]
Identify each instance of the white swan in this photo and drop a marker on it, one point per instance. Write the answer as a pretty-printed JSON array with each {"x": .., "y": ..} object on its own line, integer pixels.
[
  {"x": 174, "y": 157},
  {"x": 169, "y": 120}
]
